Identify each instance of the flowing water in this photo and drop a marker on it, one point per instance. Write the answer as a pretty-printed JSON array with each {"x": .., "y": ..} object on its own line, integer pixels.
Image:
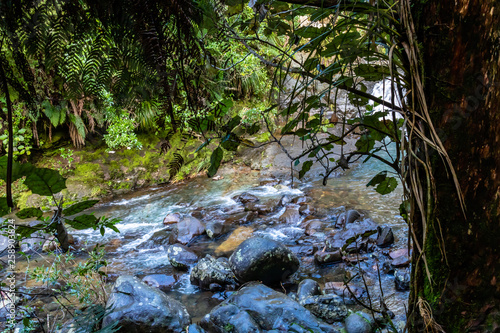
[{"x": 142, "y": 213}]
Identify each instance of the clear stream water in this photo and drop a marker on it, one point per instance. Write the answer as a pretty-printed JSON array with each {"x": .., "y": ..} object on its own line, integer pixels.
[{"x": 142, "y": 213}]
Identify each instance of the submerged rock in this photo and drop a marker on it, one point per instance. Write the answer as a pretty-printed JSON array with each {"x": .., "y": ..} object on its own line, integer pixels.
[
  {"x": 181, "y": 257},
  {"x": 137, "y": 307},
  {"x": 258, "y": 308},
  {"x": 210, "y": 270},
  {"x": 234, "y": 240},
  {"x": 260, "y": 259}
]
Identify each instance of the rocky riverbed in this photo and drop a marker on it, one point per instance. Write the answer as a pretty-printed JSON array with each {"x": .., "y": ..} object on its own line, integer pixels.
[{"x": 252, "y": 253}]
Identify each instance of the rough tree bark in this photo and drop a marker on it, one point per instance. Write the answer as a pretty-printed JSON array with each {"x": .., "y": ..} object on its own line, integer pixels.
[{"x": 460, "y": 42}]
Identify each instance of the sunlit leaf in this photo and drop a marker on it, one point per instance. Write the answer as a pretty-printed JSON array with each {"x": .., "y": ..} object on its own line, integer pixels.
[{"x": 79, "y": 207}]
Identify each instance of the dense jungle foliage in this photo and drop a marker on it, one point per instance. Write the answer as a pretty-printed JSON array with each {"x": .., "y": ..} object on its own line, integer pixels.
[{"x": 198, "y": 80}]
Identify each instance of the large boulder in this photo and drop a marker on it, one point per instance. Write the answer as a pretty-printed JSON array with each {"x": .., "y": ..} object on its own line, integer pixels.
[
  {"x": 137, "y": 307},
  {"x": 181, "y": 257},
  {"x": 188, "y": 228},
  {"x": 258, "y": 308},
  {"x": 210, "y": 271},
  {"x": 261, "y": 259}
]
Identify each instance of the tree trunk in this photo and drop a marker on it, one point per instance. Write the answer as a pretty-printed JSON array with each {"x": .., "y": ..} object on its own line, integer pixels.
[{"x": 461, "y": 62}]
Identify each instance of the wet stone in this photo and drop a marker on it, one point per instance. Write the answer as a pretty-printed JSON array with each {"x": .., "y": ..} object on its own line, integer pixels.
[
  {"x": 290, "y": 216},
  {"x": 137, "y": 307},
  {"x": 322, "y": 257},
  {"x": 328, "y": 307},
  {"x": 401, "y": 261},
  {"x": 308, "y": 288},
  {"x": 172, "y": 218},
  {"x": 385, "y": 236},
  {"x": 402, "y": 279},
  {"x": 260, "y": 259},
  {"x": 347, "y": 293},
  {"x": 188, "y": 228},
  {"x": 306, "y": 209},
  {"x": 160, "y": 281},
  {"x": 358, "y": 322},
  {"x": 245, "y": 198},
  {"x": 209, "y": 271},
  {"x": 181, "y": 257}
]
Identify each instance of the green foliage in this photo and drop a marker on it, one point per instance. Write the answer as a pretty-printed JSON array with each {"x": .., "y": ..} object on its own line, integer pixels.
[
  {"x": 384, "y": 184},
  {"x": 79, "y": 207},
  {"x": 215, "y": 161},
  {"x": 23, "y": 135},
  {"x": 67, "y": 155},
  {"x": 45, "y": 181},
  {"x": 121, "y": 133},
  {"x": 29, "y": 212}
]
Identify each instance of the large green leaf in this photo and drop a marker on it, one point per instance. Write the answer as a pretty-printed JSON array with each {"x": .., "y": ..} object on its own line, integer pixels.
[
  {"x": 45, "y": 181},
  {"x": 79, "y": 207},
  {"x": 18, "y": 170},
  {"x": 387, "y": 186},
  {"x": 215, "y": 161},
  {"x": 305, "y": 168},
  {"x": 384, "y": 184},
  {"x": 365, "y": 143},
  {"x": 230, "y": 142},
  {"x": 26, "y": 213},
  {"x": 253, "y": 129},
  {"x": 4, "y": 208},
  {"x": 235, "y": 121},
  {"x": 82, "y": 222}
]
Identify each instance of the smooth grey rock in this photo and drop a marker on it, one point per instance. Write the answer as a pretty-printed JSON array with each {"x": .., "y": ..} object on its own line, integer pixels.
[
  {"x": 138, "y": 307},
  {"x": 358, "y": 322},
  {"x": 188, "y": 228},
  {"x": 385, "y": 236},
  {"x": 209, "y": 271},
  {"x": 308, "y": 288},
  {"x": 160, "y": 281},
  {"x": 260, "y": 259},
  {"x": 263, "y": 309},
  {"x": 172, "y": 218},
  {"x": 181, "y": 257}
]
